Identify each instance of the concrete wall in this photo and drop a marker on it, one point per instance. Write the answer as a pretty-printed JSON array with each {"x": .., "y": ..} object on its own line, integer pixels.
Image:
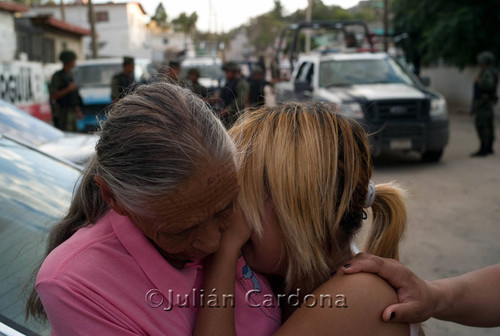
[
  {"x": 63, "y": 41},
  {"x": 7, "y": 36},
  {"x": 123, "y": 34},
  {"x": 456, "y": 85}
]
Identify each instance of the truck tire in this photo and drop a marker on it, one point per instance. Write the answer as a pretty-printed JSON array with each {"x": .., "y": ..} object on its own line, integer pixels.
[{"x": 432, "y": 155}]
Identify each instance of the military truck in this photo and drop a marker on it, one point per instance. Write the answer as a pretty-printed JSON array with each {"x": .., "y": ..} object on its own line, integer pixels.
[{"x": 395, "y": 108}]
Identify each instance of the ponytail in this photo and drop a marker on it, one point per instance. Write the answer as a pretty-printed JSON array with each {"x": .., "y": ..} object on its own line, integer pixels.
[
  {"x": 86, "y": 207},
  {"x": 389, "y": 221}
]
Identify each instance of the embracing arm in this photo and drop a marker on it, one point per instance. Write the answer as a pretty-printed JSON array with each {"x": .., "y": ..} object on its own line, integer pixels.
[
  {"x": 472, "y": 299},
  {"x": 354, "y": 309}
]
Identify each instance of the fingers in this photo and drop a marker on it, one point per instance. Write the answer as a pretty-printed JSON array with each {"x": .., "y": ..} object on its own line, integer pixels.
[
  {"x": 364, "y": 262},
  {"x": 404, "y": 312},
  {"x": 391, "y": 270}
]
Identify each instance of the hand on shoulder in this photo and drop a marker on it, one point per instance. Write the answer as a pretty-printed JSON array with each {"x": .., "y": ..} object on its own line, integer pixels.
[{"x": 357, "y": 302}]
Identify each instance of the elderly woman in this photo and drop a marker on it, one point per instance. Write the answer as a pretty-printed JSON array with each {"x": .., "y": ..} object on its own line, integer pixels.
[{"x": 126, "y": 258}]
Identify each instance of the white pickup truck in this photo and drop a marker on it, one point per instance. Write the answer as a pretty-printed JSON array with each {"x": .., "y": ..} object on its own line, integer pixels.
[{"x": 394, "y": 107}]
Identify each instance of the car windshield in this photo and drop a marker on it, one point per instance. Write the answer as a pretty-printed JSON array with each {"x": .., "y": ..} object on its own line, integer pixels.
[
  {"x": 35, "y": 192},
  {"x": 206, "y": 71},
  {"x": 96, "y": 75},
  {"x": 19, "y": 124},
  {"x": 361, "y": 71}
]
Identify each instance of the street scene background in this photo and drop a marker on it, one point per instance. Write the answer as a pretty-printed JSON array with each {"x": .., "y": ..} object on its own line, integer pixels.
[{"x": 453, "y": 210}]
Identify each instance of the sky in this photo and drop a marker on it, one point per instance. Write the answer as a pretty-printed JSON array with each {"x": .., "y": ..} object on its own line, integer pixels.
[{"x": 228, "y": 14}]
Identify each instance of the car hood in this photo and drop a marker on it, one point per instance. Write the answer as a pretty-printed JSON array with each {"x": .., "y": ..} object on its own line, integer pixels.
[
  {"x": 372, "y": 92},
  {"x": 208, "y": 82},
  {"x": 74, "y": 147}
]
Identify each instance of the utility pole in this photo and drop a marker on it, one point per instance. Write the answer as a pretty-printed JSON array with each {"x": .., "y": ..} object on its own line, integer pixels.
[
  {"x": 308, "y": 31},
  {"x": 93, "y": 36},
  {"x": 386, "y": 25},
  {"x": 63, "y": 11}
]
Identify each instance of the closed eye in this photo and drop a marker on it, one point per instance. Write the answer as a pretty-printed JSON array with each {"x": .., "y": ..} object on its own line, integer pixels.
[{"x": 226, "y": 212}]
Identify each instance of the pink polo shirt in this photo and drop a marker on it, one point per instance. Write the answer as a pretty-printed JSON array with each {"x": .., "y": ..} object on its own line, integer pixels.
[{"x": 108, "y": 279}]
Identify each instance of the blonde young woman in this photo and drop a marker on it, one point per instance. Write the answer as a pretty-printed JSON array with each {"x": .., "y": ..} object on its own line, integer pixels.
[{"x": 304, "y": 173}]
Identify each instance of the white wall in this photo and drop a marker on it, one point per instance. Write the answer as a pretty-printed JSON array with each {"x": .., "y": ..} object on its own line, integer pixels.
[
  {"x": 455, "y": 85},
  {"x": 7, "y": 36}
]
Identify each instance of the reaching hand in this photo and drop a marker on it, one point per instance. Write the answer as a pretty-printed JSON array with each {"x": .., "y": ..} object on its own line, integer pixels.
[
  {"x": 79, "y": 113},
  {"x": 416, "y": 296}
]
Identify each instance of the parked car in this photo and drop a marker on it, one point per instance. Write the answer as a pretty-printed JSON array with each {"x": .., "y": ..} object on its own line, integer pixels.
[
  {"x": 94, "y": 81},
  {"x": 75, "y": 147},
  {"x": 35, "y": 191}
]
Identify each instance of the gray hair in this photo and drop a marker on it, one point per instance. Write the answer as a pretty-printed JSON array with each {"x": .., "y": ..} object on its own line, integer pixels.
[{"x": 154, "y": 139}]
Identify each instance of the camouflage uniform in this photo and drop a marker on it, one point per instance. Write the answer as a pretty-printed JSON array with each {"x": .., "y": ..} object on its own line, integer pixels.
[
  {"x": 484, "y": 99},
  {"x": 64, "y": 109},
  {"x": 120, "y": 84}
]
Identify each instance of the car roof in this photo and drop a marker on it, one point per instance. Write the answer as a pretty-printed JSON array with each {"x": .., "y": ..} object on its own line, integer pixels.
[
  {"x": 111, "y": 60},
  {"x": 202, "y": 61},
  {"x": 346, "y": 56}
]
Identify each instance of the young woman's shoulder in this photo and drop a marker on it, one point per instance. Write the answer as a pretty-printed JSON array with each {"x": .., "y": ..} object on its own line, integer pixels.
[{"x": 346, "y": 305}]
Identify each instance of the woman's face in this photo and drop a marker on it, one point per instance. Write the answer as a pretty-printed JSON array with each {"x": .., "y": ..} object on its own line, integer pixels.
[
  {"x": 263, "y": 253},
  {"x": 192, "y": 219}
]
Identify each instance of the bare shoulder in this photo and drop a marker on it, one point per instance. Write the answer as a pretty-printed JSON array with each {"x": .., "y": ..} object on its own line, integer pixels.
[{"x": 347, "y": 305}]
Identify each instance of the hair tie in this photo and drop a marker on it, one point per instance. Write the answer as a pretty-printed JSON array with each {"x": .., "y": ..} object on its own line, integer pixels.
[{"x": 370, "y": 196}]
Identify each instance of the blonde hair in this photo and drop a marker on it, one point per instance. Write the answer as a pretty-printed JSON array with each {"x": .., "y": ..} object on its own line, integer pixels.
[{"x": 315, "y": 166}]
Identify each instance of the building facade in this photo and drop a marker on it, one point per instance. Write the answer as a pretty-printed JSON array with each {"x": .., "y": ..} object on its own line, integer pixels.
[{"x": 120, "y": 27}]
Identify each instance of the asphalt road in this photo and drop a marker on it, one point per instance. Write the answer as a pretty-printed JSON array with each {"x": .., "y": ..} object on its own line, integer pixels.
[{"x": 454, "y": 212}]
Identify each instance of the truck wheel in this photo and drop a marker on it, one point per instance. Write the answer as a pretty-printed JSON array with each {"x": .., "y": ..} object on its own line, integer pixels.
[{"x": 432, "y": 155}]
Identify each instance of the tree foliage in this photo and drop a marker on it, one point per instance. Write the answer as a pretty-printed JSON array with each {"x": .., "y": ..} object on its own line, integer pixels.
[
  {"x": 320, "y": 11},
  {"x": 454, "y": 31},
  {"x": 160, "y": 15},
  {"x": 186, "y": 23}
]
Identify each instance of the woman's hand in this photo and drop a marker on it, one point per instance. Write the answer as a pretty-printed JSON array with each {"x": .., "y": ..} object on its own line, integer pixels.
[
  {"x": 417, "y": 299},
  {"x": 237, "y": 233}
]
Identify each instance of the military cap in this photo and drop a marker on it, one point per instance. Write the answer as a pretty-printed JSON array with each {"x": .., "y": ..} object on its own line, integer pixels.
[
  {"x": 67, "y": 56},
  {"x": 486, "y": 57},
  {"x": 174, "y": 64},
  {"x": 230, "y": 66},
  {"x": 128, "y": 60}
]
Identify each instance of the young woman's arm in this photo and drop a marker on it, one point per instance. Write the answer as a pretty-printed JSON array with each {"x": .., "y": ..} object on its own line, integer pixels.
[
  {"x": 346, "y": 305},
  {"x": 219, "y": 279}
]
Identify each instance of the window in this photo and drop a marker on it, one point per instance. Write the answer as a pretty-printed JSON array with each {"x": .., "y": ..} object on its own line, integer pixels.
[{"x": 101, "y": 17}]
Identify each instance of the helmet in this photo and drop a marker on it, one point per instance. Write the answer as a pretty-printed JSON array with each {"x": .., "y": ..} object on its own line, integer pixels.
[
  {"x": 231, "y": 66},
  {"x": 67, "y": 56},
  {"x": 486, "y": 57}
]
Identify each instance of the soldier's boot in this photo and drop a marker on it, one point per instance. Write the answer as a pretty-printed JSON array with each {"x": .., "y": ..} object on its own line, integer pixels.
[
  {"x": 489, "y": 147},
  {"x": 481, "y": 152}
]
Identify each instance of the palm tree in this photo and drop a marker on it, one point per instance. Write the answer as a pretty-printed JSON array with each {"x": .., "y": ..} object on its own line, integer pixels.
[{"x": 186, "y": 24}]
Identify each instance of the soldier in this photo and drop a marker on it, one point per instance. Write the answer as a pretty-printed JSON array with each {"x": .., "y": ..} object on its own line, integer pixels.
[
  {"x": 123, "y": 80},
  {"x": 257, "y": 84},
  {"x": 194, "y": 84},
  {"x": 234, "y": 95},
  {"x": 485, "y": 88},
  {"x": 64, "y": 95}
]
